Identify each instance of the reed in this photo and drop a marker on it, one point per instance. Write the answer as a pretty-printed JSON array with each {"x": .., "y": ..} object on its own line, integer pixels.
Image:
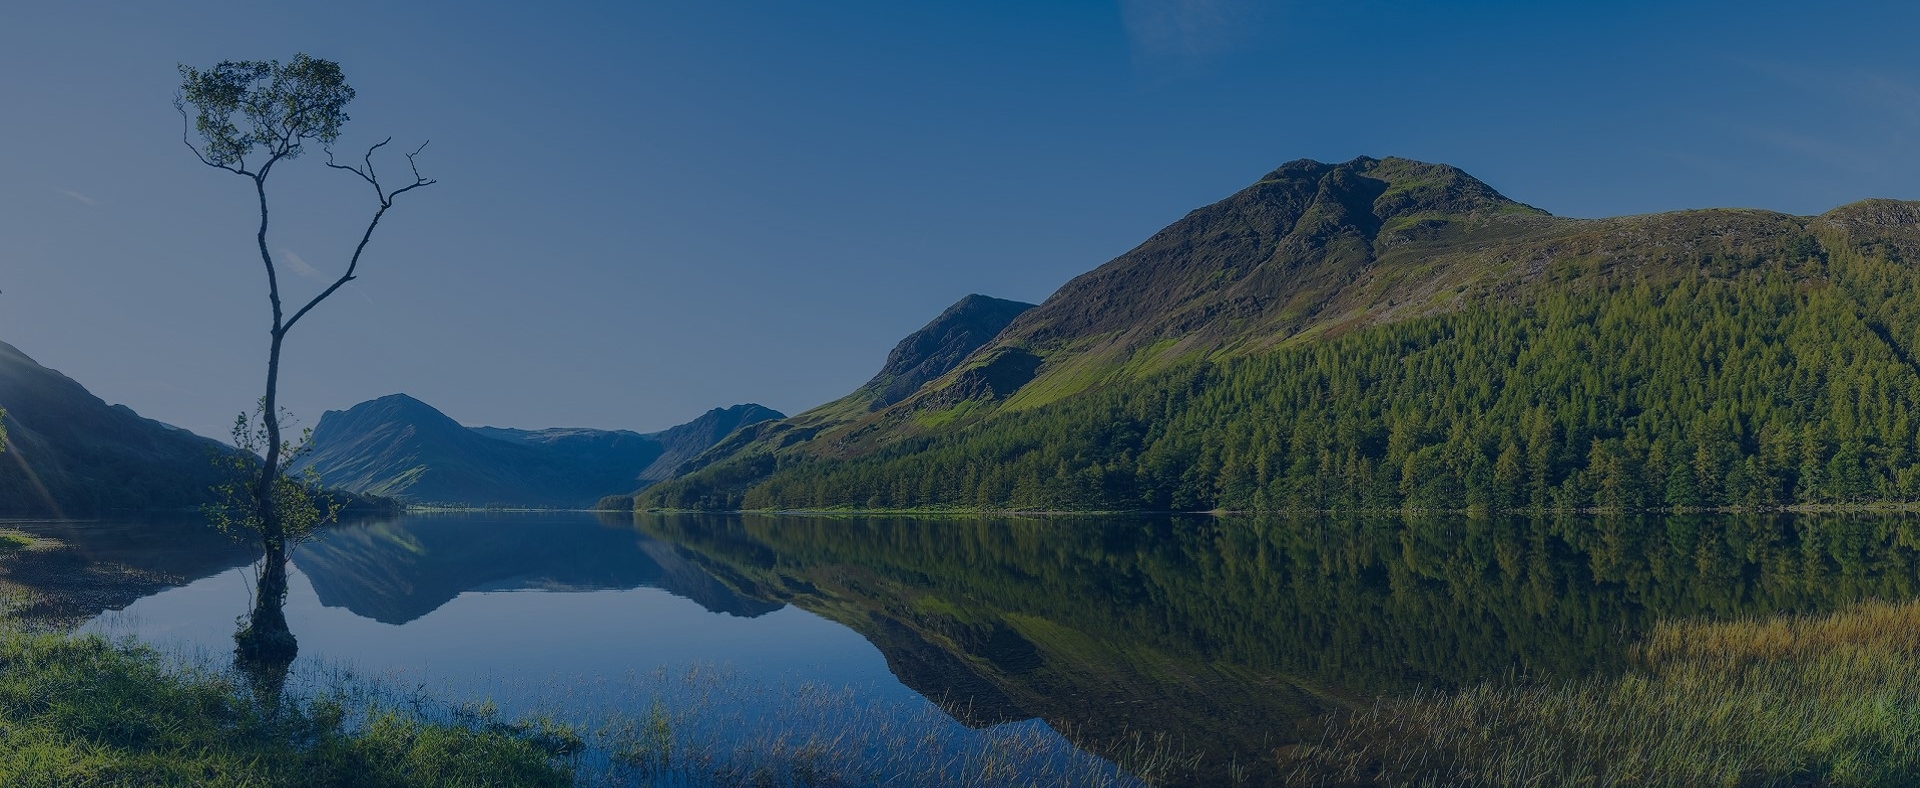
[
  {"x": 1806, "y": 700},
  {"x": 707, "y": 726}
]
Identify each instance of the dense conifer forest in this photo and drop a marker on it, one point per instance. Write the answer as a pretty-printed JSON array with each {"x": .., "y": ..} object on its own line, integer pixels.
[{"x": 1749, "y": 377}]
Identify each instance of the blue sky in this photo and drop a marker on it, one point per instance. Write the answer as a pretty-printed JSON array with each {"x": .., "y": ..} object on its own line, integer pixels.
[{"x": 649, "y": 209}]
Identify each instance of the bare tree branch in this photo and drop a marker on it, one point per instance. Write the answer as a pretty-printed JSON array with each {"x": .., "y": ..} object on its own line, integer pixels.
[
  {"x": 368, "y": 174},
  {"x": 410, "y": 162},
  {"x": 266, "y": 257}
]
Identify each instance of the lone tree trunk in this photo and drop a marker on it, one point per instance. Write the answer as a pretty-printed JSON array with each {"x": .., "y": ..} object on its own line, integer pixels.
[
  {"x": 266, "y": 109},
  {"x": 267, "y": 639}
]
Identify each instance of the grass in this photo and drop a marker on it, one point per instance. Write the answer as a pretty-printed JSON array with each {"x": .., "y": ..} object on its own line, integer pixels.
[
  {"x": 1830, "y": 700},
  {"x": 931, "y": 419},
  {"x": 85, "y": 711},
  {"x": 14, "y": 541}
]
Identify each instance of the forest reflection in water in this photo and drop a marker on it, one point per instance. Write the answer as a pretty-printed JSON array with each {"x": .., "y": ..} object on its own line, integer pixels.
[
  {"x": 1237, "y": 634},
  {"x": 1230, "y": 636}
]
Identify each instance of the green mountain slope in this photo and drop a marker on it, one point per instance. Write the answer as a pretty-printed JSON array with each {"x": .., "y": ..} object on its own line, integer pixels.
[
  {"x": 680, "y": 445},
  {"x": 939, "y": 347},
  {"x": 1396, "y": 334},
  {"x": 925, "y": 355},
  {"x": 400, "y": 447},
  {"x": 68, "y": 453}
]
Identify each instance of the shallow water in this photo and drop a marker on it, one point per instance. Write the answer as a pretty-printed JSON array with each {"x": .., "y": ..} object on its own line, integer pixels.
[{"x": 1229, "y": 636}]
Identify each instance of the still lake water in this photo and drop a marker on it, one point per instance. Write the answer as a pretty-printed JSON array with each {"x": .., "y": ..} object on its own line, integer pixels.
[{"x": 1229, "y": 636}]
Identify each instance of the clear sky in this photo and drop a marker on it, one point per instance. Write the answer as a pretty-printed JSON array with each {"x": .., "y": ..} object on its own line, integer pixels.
[{"x": 647, "y": 209}]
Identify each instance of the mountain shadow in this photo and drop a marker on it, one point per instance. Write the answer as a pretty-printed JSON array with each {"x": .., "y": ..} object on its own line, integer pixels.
[{"x": 69, "y": 453}]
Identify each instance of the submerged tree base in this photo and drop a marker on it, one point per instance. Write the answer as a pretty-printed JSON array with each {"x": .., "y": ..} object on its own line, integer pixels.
[
  {"x": 1829, "y": 700},
  {"x": 264, "y": 646}
]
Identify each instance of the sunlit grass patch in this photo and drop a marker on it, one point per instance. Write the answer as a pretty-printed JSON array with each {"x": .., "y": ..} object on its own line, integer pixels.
[
  {"x": 1831, "y": 700},
  {"x": 14, "y": 541},
  {"x": 87, "y": 711}
]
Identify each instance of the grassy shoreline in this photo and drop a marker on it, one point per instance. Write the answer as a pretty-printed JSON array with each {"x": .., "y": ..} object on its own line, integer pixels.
[
  {"x": 80, "y": 710},
  {"x": 1799, "y": 700},
  {"x": 86, "y": 710}
]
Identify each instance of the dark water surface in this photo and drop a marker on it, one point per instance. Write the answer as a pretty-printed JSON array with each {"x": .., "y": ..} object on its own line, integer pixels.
[{"x": 1229, "y": 635}]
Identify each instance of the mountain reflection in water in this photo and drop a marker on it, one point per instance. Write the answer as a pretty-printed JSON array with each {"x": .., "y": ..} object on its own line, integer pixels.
[
  {"x": 1228, "y": 635},
  {"x": 1232, "y": 634},
  {"x": 397, "y": 570}
]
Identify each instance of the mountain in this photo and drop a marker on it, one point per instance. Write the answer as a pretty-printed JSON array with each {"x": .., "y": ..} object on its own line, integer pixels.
[
  {"x": 683, "y": 443},
  {"x": 1384, "y": 333},
  {"x": 68, "y": 453},
  {"x": 939, "y": 347},
  {"x": 401, "y": 447},
  {"x": 924, "y": 355}
]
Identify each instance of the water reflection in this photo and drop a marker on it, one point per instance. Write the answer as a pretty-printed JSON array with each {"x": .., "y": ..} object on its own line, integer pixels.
[
  {"x": 84, "y": 568},
  {"x": 525, "y": 610},
  {"x": 1228, "y": 634},
  {"x": 399, "y": 569},
  {"x": 1231, "y": 632}
]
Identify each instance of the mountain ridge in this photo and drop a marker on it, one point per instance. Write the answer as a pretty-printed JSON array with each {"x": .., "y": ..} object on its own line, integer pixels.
[
  {"x": 1389, "y": 259},
  {"x": 403, "y": 448},
  {"x": 940, "y": 346}
]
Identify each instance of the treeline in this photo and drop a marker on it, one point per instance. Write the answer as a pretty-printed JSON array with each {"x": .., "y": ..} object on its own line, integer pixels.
[{"x": 1767, "y": 386}]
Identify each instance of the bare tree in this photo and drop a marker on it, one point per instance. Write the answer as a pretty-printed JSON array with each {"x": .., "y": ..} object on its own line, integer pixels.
[{"x": 250, "y": 117}]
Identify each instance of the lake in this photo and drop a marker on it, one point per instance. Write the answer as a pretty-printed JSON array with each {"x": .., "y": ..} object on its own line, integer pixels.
[{"x": 1187, "y": 648}]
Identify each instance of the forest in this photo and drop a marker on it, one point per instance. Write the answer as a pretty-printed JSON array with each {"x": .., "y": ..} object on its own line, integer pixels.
[{"x": 1745, "y": 382}]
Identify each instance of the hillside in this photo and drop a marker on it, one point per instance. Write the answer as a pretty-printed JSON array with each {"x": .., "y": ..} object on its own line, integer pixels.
[
  {"x": 679, "y": 445},
  {"x": 1387, "y": 333},
  {"x": 934, "y": 350},
  {"x": 939, "y": 347},
  {"x": 400, "y": 447},
  {"x": 68, "y": 453}
]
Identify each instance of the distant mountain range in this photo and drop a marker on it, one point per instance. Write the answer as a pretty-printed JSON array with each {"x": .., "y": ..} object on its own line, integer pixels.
[
  {"x": 1387, "y": 333},
  {"x": 68, "y": 453},
  {"x": 400, "y": 447}
]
